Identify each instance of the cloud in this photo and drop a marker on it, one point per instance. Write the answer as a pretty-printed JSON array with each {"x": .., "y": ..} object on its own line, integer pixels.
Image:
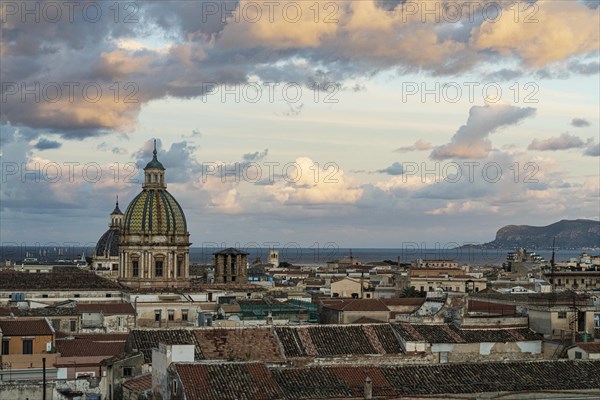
[
  {"x": 187, "y": 48},
  {"x": 394, "y": 169},
  {"x": 468, "y": 207},
  {"x": 562, "y": 142},
  {"x": 256, "y": 156},
  {"x": 593, "y": 150},
  {"x": 302, "y": 187},
  {"x": 471, "y": 140},
  {"x": 580, "y": 122},
  {"x": 557, "y": 30},
  {"x": 419, "y": 145},
  {"x": 179, "y": 160},
  {"x": 45, "y": 144},
  {"x": 119, "y": 150}
]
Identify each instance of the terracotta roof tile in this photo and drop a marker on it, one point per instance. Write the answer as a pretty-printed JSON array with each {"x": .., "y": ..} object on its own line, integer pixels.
[
  {"x": 106, "y": 308},
  {"x": 590, "y": 347},
  {"x": 26, "y": 327},
  {"x": 335, "y": 340},
  {"x": 404, "y": 301},
  {"x": 59, "y": 278},
  {"x": 144, "y": 340},
  {"x": 242, "y": 381},
  {"x": 88, "y": 348},
  {"x": 245, "y": 344},
  {"x": 448, "y": 333},
  {"x": 139, "y": 384},
  {"x": 356, "y": 305}
]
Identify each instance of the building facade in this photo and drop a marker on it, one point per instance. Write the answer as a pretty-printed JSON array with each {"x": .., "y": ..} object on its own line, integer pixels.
[
  {"x": 105, "y": 259},
  {"x": 231, "y": 266},
  {"x": 154, "y": 243}
]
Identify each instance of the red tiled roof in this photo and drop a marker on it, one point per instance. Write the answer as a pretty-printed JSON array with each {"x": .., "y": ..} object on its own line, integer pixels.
[
  {"x": 404, "y": 301},
  {"x": 227, "y": 381},
  {"x": 367, "y": 320},
  {"x": 88, "y": 348},
  {"x": 96, "y": 337},
  {"x": 590, "y": 347},
  {"x": 26, "y": 327},
  {"x": 357, "y": 305},
  {"x": 139, "y": 384},
  {"x": 106, "y": 308},
  {"x": 250, "y": 344},
  {"x": 492, "y": 308}
]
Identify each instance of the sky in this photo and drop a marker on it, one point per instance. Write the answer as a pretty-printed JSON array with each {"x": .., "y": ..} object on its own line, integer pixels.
[{"x": 360, "y": 123}]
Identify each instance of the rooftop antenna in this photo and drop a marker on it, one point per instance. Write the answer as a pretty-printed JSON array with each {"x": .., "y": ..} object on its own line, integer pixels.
[{"x": 351, "y": 258}]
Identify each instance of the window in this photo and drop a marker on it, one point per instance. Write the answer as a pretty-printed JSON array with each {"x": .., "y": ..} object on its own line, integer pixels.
[
  {"x": 184, "y": 315},
  {"x": 44, "y": 296},
  {"x": 135, "y": 268},
  {"x": 115, "y": 267},
  {"x": 562, "y": 314},
  {"x": 158, "y": 268},
  {"x": 171, "y": 315},
  {"x": 99, "y": 265},
  {"x": 157, "y": 315},
  {"x": 127, "y": 371},
  {"x": 76, "y": 295},
  {"x": 27, "y": 346},
  {"x": 108, "y": 295},
  {"x": 444, "y": 357},
  {"x": 578, "y": 355},
  {"x": 5, "y": 347},
  {"x": 56, "y": 324},
  {"x": 73, "y": 326},
  {"x": 179, "y": 266}
]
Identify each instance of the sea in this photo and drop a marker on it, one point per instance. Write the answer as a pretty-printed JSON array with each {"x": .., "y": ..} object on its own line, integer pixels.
[{"x": 309, "y": 256}]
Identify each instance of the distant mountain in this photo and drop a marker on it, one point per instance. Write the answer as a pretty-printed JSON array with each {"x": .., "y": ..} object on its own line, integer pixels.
[{"x": 569, "y": 234}]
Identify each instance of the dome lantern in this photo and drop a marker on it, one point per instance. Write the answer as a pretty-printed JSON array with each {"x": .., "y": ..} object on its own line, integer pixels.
[
  {"x": 154, "y": 173},
  {"x": 116, "y": 217}
]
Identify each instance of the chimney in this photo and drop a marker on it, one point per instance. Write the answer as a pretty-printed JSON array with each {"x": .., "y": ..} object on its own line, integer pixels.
[{"x": 368, "y": 388}]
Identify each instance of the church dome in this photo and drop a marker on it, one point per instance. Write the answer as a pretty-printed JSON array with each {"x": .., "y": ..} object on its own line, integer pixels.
[
  {"x": 154, "y": 211},
  {"x": 108, "y": 245}
]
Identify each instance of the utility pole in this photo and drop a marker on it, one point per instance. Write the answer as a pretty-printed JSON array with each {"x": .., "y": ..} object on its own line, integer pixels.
[{"x": 44, "y": 378}]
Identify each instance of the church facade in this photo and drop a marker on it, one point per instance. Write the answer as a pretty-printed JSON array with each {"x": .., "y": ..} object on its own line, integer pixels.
[
  {"x": 154, "y": 241},
  {"x": 105, "y": 259}
]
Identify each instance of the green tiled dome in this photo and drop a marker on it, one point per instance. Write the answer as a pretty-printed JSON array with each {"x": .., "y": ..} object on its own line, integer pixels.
[{"x": 154, "y": 211}]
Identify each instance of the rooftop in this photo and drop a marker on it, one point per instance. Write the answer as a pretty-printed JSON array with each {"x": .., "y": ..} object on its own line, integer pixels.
[
  {"x": 57, "y": 279},
  {"x": 448, "y": 333},
  {"x": 106, "y": 308},
  {"x": 26, "y": 327},
  {"x": 257, "y": 381},
  {"x": 88, "y": 348},
  {"x": 144, "y": 340},
  {"x": 139, "y": 384},
  {"x": 243, "y": 381}
]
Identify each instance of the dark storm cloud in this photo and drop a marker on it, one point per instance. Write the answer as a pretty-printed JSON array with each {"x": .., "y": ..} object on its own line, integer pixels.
[
  {"x": 580, "y": 122},
  {"x": 189, "y": 47},
  {"x": 45, "y": 144}
]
